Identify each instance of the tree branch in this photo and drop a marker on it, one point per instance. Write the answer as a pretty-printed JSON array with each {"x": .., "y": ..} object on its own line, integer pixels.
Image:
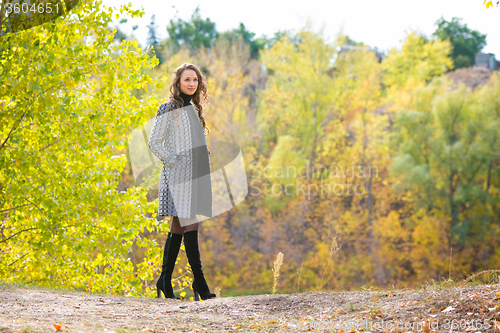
[
  {"x": 11, "y": 130},
  {"x": 6, "y": 210},
  {"x": 24, "y": 255},
  {"x": 17, "y": 233},
  {"x": 49, "y": 145}
]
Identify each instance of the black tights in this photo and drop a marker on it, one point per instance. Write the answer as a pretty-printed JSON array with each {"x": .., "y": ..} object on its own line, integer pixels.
[{"x": 175, "y": 226}]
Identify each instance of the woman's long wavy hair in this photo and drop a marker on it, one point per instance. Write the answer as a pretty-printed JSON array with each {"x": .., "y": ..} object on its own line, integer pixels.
[{"x": 199, "y": 97}]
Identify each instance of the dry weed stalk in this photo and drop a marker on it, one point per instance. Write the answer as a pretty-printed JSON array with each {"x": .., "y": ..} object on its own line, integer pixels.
[
  {"x": 276, "y": 271},
  {"x": 334, "y": 248}
]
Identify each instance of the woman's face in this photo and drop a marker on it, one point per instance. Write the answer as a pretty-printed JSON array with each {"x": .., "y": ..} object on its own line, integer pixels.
[{"x": 189, "y": 81}]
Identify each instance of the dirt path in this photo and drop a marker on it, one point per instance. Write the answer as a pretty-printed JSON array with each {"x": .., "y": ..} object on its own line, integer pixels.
[{"x": 36, "y": 310}]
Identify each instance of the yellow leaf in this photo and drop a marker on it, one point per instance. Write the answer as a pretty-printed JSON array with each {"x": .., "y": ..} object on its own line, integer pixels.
[
  {"x": 183, "y": 294},
  {"x": 489, "y": 4}
]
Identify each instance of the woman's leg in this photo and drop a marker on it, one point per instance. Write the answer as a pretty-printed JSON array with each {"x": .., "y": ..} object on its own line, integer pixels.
[
  {"x": 193, "y": 254},
  {"x": 175, "y": 226},
  {"x": 190, "y": 225},
  {"x": 170, "y": 253}
]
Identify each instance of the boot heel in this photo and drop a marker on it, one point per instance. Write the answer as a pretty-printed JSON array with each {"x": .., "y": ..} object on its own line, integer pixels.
[
  {"x": 158, "y": 293},
  {"x": 195, "y": 291}
]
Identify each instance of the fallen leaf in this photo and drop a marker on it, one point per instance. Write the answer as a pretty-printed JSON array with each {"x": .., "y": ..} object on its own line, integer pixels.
[
  {"x": 448, "y": 309},
  {"x": 57, "y": 326}
]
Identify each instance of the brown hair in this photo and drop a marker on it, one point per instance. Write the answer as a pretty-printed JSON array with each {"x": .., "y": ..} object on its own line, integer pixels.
[{"x": 199, "y": 97}]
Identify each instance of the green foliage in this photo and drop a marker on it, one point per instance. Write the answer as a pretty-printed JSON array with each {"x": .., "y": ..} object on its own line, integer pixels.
[
  {"x": 198, "y": 34},
  {"x": 194, "y": 34},
  {"x": 154, "y": 41},
  {"x": 18, "y": 16},
  {"x": 65, "y": 95},
  {"x": 256, "y": 45},
  {"x": 466, "y": 42}
]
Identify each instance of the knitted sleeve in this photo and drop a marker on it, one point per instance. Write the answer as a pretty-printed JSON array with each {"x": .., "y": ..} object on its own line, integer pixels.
[{"x": 161, "y": 128}]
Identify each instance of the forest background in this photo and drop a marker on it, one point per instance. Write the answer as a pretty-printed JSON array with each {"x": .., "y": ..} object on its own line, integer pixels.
[{"x": 408, "y": 160}]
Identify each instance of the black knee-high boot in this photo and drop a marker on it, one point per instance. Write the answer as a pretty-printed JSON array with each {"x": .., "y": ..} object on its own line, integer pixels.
[
  {"x": 170, "y": 253},
  {"x": 199, "y": 285}
]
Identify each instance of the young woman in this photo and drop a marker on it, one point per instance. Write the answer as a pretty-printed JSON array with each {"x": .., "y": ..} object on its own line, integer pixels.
[{"x": 185, "y": 183}]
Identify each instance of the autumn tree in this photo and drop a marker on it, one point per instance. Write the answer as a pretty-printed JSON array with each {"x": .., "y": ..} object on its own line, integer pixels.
[
  {"x": 65, "y": 95},
  {"x": 418, "y": 61},
  {"x": 446, "y": 152}
]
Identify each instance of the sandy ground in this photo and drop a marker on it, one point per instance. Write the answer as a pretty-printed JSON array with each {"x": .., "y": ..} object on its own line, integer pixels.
[{"x": 468, "y": 309}]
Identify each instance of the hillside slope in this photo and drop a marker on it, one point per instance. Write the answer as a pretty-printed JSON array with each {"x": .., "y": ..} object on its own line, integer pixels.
[{"x": 36, "y": 310}]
